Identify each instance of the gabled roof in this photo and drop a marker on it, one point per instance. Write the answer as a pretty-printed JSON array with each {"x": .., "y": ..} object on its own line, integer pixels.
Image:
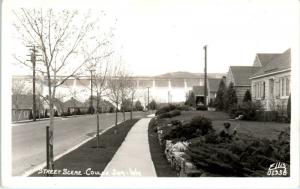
[
  {"x": 24, "y": 101},
  {"x": 279, "y": 63},
  {"x": 213, "y": 84},
  {"x": 265, "y": 58},
  {"x": 241, "y": 74},
  {"x": 73, "y": 103}
]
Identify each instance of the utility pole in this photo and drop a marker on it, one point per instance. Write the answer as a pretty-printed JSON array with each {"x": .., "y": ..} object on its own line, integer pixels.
[
  {"x": 33, "y": 56},
  {"x": 205, "y": 74},
  {"x": 91, "y": 102}
]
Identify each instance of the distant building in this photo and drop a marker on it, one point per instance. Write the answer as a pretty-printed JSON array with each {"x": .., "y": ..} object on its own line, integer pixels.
[
  {"x": 271, "y": 83},
  {"x": 165, "y": 88}
]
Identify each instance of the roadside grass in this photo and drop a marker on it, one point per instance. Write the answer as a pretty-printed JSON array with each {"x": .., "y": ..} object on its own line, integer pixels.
[
  {"x": 161, "y": 165},
  {"x": 88, "y": 157},
  {"x": 269, "y": 130}
]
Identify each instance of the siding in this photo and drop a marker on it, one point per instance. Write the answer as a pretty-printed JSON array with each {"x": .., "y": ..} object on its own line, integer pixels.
[{"x": 240, "y": 92}]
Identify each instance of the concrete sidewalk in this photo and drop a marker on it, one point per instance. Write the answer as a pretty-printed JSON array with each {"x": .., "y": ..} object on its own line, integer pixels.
[{"x": 133, "y": 157}]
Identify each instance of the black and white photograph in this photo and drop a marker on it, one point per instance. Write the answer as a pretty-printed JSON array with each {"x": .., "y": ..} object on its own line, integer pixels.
[{"x": 140, "y": 93}]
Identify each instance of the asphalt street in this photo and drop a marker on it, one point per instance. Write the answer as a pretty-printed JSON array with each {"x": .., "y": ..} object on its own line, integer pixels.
[{"x": 29, "y": 139}]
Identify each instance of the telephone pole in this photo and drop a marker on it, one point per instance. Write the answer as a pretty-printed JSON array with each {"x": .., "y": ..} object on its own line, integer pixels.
[
  {"x": 205, "y": 74},
  {"x": 33, "y": 56}
]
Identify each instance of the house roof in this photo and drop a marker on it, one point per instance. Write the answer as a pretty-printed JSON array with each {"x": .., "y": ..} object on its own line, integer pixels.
[
  {"x": 24, "y": 101},
  {"x": 265, "y": 58},
  {"x": 278, "y": 63},
  {"x": 213, "y": 84},
  {"x": 101, "y": 103},
  {"x": 198, "y": 90},
  {"x": 73, "y": 103},
  {"x": 241, "y": 74}
]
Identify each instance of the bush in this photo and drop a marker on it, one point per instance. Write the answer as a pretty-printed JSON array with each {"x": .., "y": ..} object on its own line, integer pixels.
[
  {"x": 46, "y": 113},
  {"x": 249, "y": 110},
  {"x": 230, "y": 98},
  {"x": 55, "y": 113},
  {"x": 165, "y": 109},
  {"x": 289, "y": 109},
  {"x": 204, "y": 125},
  {"x": 170, "y": 114},
  {"x": 202, "y": 108},
  {"x": 247, "y": 96},
  {"x": 183, "y": 132},
  {"x": 30, "y": 115}
]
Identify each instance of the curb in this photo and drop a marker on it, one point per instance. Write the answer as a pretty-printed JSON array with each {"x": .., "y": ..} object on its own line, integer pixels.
[
  {"x": 42, "y": 165},
  {"x": 45, "y": 119}
]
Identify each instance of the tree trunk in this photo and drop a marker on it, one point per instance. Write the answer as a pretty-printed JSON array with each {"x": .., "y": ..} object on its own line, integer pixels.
[
  {"x": 116, "y": 123},
  {"x": 131, "y": 107},
  {"x": 123, "y": 111},
  {"x": 98, "y": 126},
  {"x": 51, "y": 126}
]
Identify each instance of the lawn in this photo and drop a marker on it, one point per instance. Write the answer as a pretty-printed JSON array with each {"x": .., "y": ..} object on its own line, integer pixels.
[
  {"x": 80, "y": 161},
  {"x": 257, "y": 129}
]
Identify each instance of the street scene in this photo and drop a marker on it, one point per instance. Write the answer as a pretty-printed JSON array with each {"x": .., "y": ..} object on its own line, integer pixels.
[{"x": 151, "y": 89}]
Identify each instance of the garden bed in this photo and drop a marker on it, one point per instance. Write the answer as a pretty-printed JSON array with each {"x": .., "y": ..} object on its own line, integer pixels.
[{"x": 192, "y": 150}]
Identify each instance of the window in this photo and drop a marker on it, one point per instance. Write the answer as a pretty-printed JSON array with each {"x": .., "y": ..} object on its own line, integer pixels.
[
  {"x": 287, "y": 88},
  {"x": 284, "y": 86}
]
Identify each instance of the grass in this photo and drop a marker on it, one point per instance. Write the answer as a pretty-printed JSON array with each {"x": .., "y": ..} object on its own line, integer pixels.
[
  {"x": 269, "y": 130},
  {"x": 161, "y": 165},
  {"x": 88, "y": 156}
]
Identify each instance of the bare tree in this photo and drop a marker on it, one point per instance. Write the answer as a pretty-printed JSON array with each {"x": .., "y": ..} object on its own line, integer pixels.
[
  {"x": 59, "y": 37},
  {"x": 125, "y": 84},
  {"x": 114, "y": 88},
  {"x": 132, "y": 90},
  {"x": 101, "y": 70}
]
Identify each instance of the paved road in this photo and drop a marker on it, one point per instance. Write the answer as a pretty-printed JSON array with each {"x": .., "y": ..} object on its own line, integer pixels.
[{"x": 28, "y": 139}]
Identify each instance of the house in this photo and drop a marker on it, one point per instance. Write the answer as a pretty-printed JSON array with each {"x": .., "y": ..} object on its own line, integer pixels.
[
  {"x": 104, "y": 105},
  {"x": 239, "y": 76},
  {"x": 22, "y": 106},
  {"x": 73, "y": 105},
  {"x": 212, "y": 88},
  {"x": 271, "y": 83}
]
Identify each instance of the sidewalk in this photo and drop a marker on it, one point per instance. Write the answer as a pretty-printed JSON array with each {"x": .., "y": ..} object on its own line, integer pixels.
[{"x": 133, "y": 158}]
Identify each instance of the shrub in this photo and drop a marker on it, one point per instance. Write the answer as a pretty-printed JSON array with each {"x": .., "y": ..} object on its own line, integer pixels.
[
  {"x": 184, "y": 108},
  {"x": 30, "y": 115},
  {"x": 170, "y": 114},
  {"x": 249, "y": 110},
  {"x": 230, "y": 98},
  {"x": 289, "y": 109},
  {"x": 46, "y": 113},
  {"x": 219, "y": 102},
  {"x": 211, "y": 103},
  {"x": 180, "y": 132},
  {"x": 165, "y": 109},
  {"x": 55, "y": 113},
  {"x": 201, "y": 107},
  {"x": 204, "y": 125},
  {"x": 247, "y": 96},
  {"x": 191, "y": 99}
]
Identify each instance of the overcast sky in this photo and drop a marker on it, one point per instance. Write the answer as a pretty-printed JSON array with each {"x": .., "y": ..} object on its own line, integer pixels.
[{"x": 156, "y": 37}]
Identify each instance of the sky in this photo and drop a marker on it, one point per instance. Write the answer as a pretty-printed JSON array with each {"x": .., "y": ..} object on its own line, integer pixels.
[{"x": 155, "y": 37}]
